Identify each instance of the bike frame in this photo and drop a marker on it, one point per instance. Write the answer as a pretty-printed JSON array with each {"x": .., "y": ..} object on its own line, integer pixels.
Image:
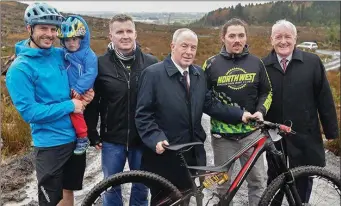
[
  {"x": 263, "y": 142},
  {"x": 259, "y": 145}
]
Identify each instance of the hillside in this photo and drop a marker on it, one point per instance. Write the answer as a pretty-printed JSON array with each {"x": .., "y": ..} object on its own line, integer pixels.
[
  {"x": 153, "y": 38},
  {"x": 313, "y": 13}
]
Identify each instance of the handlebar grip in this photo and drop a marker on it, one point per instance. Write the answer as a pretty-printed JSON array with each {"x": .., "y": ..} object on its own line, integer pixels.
[{"x": 285, "y": 128}]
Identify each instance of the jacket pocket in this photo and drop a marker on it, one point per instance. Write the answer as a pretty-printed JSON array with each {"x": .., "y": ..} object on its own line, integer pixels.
[
  {"x": 137, "y": 77},
  {"x": 307, "y": 121}
]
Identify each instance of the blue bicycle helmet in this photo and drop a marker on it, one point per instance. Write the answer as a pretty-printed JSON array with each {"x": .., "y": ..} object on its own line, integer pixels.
[
  {"x": 71, "y": 27},
  {"x": 42, "y": 13}
]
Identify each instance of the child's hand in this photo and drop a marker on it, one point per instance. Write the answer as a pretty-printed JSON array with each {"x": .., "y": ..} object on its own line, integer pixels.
[
  {"x": 75, "y": 94},
  {"x": 88, "y": 96}
]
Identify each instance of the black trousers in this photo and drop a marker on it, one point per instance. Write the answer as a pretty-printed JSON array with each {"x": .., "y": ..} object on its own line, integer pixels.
[
  {"x": 57, "y": 169},
  {"x": 170, "y": 166},
  {"x": 304, "y": 184}
]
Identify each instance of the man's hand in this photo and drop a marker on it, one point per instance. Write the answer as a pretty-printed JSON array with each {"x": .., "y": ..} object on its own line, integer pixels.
[
  {"x": 258, "y": 115},
  {"x": 85, "y": 103},
  {"x": 79, "y": 107},
  {"x": 88, "y": 96},
  {"x": 159, "y": 147},
  {"x": 331, "y": 139},
  {"x": 98, "y": 146},
  {"x": 246, "y": 116}
]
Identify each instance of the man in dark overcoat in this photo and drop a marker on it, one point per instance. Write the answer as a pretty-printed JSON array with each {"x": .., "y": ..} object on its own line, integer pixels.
[
  {"x": 172, "y": 97},
  {"x": 302, "y": 95}
]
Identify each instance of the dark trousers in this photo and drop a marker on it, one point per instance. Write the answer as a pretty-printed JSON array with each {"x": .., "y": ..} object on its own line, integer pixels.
[
  {"x": 57, "y": 169},
  {"x": 304, "y": 184},
  {"x": 170, "y": 166}
]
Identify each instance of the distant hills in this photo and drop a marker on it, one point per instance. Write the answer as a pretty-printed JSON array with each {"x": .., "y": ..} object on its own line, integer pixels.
[
  {"x": 152, "y": 17},
  {"x": 312, "y": 13},
  {"x": 301, "y": 13}
]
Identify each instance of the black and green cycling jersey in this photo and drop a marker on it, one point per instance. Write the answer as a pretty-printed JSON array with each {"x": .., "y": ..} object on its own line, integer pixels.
[{"x": 244, "y": 80}]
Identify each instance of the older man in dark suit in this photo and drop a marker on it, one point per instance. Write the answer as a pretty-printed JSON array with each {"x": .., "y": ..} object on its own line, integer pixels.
[
  {"x": 171, "y": 99},
  {"x": 301, "y": 94}
]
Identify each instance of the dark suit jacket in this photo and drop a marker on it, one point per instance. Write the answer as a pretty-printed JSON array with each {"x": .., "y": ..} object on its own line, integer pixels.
[
  {"x": 302, "y": 94},
  {"x": 165, "y": 112}
]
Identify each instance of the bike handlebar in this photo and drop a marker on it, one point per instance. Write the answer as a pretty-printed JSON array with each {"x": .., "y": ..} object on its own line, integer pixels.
[
  {"x": 266, "y": 124},
  {"x": 285, "y": 128}
]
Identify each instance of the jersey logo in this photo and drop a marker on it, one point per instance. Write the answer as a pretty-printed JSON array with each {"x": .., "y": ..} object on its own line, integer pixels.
[{"x": 236, "y": 78}]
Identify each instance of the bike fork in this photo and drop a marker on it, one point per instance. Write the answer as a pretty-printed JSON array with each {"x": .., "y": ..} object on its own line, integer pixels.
[
  {"x": 291, "y": 190},
  {"x": 289, "y": 186}
]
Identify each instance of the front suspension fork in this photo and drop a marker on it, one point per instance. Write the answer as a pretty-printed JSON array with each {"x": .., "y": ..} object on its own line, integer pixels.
[{"x": 289, "y": 186}]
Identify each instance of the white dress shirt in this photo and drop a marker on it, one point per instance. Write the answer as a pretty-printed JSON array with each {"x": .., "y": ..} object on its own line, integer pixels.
[
  {"x": 280, "y": 59},
  {"x": 181, "y": 70}
]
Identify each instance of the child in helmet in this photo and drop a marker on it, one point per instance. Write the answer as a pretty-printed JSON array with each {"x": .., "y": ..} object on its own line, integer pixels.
[{"x": 82, "y": 69}]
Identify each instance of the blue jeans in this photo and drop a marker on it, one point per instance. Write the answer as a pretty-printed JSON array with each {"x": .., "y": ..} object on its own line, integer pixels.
[{"x": 114, "y": 157}]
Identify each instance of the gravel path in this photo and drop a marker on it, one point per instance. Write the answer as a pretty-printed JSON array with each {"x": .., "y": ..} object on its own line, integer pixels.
[{"x": 24, "y": 191}]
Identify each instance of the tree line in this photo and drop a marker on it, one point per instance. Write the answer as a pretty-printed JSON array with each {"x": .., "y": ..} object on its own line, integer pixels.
[{"x": 313, "y": 13}]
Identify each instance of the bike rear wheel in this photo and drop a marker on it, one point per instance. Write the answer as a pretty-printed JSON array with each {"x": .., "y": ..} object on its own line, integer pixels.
[
  {"x": 94, "y": 197},
  {"x": 326, "y": 190}
]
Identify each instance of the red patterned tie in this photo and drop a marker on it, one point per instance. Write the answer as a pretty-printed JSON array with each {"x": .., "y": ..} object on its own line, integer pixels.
[
  {"x": 186, "y": 80},
  {"x": 284, "y": 63}
]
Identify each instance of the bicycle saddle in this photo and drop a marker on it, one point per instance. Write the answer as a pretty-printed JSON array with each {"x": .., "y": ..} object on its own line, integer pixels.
[{"x": 176, "y": 147}]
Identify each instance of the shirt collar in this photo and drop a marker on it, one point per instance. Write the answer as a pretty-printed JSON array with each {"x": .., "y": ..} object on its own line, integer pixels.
[
  {"x": 288, "y": 58},
  {"x": 181, "y": 70}
]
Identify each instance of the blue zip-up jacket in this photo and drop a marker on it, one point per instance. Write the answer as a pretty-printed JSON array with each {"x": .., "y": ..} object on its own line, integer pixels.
[
  {"x": 82, "y": 65},
  {"x": 38, "y": 85}
]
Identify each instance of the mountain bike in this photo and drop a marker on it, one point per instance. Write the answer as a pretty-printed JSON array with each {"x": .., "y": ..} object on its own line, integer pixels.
[{"x": 268, "y": 133}]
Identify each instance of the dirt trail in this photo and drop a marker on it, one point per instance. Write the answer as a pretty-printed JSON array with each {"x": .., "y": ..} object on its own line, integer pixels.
[{"x": 19, "y": 182}]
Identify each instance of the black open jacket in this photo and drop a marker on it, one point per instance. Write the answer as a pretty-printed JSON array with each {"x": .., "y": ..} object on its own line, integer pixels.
[{"x": 115, "y": 99}]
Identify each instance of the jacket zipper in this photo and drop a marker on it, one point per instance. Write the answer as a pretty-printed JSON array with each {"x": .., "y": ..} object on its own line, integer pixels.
[
  {"x": 128, "y": 111},
  {"x": 80, "y": 73},
  {"x": 106, "y": 118},
  {"x": 128, "y": 81}
]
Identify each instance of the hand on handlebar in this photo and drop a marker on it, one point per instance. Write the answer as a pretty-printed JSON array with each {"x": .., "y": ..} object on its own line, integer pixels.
[
  {"x": 265, "y": 124},
  {"x": 258, "y": 116},
  {"x": 159, "y": 146},
  {"x": 246, "y": 117}
]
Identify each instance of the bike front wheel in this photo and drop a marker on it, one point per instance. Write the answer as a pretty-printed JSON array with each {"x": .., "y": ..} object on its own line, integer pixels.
[
  {"x": 121, "y": 183},
  {"x": 326, "y": 187}
]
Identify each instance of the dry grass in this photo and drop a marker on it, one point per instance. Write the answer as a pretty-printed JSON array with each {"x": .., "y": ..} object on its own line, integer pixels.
[
  {"x": 334, "y": 80},
  {"x": 15, "y": 132},
  {"x": 16, "y": 36}
]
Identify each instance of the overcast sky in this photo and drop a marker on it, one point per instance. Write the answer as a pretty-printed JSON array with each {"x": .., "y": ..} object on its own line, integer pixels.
[{"x": 142, "y": 6}]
